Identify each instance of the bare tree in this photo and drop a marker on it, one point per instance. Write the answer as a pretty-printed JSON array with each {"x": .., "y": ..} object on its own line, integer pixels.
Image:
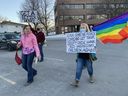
[
  {"x": 112, "y": 7},
  {"x": 44, "y": 10},
  {"x": 3, "y": 19}
]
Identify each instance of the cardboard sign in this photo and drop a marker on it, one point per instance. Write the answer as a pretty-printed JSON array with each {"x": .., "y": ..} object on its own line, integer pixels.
[
  {"x": 81, "y": 42},
  {"x": 28, "y": 16}
]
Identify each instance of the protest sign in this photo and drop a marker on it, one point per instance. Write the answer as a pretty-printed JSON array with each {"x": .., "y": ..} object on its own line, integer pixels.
[
  {"x": 81, "y": 42},
  {"x": 28, "y": 16}
]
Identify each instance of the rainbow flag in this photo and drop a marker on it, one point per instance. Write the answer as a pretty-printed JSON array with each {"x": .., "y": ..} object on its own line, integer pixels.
[
  {"x": 124, "y": 31},
  {"x": 114, "y": 30}
]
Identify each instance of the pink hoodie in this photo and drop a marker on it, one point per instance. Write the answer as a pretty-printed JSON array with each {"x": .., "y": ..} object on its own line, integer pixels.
[{"x": 29, "y": 44}]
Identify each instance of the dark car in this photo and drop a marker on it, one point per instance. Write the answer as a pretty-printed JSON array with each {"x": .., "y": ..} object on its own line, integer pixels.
[{"x": 9, "y": 40}]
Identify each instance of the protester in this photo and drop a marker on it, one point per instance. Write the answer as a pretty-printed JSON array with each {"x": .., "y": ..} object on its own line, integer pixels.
[
  {"x": 29, "y": 46},
  {"x": 40, "y": 40},
  {"x": 83, "y": 60}
]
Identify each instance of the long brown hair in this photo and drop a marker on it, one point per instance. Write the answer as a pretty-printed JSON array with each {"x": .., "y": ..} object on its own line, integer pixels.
[{"x": 25, "y": 27}]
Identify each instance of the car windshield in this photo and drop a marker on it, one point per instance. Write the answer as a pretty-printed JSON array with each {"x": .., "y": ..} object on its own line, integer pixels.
[{"x": 12, "y": 36}]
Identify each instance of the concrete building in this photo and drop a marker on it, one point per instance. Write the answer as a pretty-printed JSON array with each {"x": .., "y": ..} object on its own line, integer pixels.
[
  {"x": 70, "y": 13},
  {"x": 8, "y": 26}
]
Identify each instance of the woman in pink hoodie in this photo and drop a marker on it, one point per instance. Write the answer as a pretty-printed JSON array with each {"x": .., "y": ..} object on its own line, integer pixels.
[{"x": 29, "y": 45}]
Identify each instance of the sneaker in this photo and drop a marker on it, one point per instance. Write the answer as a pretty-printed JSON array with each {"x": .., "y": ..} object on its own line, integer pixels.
[
  {"x": 28, "y": 83},
  {"x": 75, "y": 83},
  {"x": 91, "y": 79}
]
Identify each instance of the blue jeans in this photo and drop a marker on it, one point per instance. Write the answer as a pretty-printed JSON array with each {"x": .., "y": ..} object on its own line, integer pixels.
[
  {"x": 41, "y": 51},
  {"x": 27, "y": 61},
  {"x": 80, "y": 64}
]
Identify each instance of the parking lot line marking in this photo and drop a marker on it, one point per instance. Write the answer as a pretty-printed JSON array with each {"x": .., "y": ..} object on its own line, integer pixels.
[
  {"x": 8, "y": 80},
  {"x": 54, "y": 59}
]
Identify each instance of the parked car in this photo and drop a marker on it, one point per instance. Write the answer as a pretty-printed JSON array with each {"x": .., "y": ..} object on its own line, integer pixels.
[{"x": 9, "y": 40}]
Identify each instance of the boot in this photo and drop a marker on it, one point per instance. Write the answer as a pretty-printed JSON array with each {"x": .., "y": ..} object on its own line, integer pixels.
[
  {"x": 75, "y": 83},
  {"x": 91, "y": 79}
]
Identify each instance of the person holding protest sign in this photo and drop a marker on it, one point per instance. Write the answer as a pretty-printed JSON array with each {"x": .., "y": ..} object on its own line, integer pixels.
[
  {"x": 83, "y": 60},
  {"x": 84, "y": 27},
  {"x": 29, "y": 46},
  {"x": 40, "y": 40}
]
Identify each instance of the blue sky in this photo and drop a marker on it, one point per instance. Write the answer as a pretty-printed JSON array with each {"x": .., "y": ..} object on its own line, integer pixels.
[{"x": 9, "y": 9}]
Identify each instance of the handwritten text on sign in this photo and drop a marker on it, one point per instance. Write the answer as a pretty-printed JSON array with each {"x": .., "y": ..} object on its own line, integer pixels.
[
  {"x": 81, "y": 42},
  {"x": 28, "y": 16}
]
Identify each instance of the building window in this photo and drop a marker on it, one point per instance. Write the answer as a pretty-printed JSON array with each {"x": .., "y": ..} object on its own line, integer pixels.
[
  {"x": 92, "y": 6},
  {"x": 121, "y": 5},
  {"x": 98, "y": 17},
  {"x": 118, "y": 5},
  {"x": 95, "y": 5},
  {"x": 79, "y": 17},
  {"x": 102, "y": 5},
  {"x": 61, "y": 18},
  {"x": 66, "y": 29},
  {"x": 112, "y": 6},
  {"x": 71, "y": 17},
  {"x": 79, "y": 6},
  {"x": 125, "y": 5},
  {"x": 73, "y": 6},
  {"x": 90, "y": 17}
]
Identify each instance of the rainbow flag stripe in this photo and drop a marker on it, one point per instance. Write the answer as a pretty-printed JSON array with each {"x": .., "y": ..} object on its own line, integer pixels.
[
  {"x": 114, "y": 30},
  {"x": 124, "y": 32}
]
